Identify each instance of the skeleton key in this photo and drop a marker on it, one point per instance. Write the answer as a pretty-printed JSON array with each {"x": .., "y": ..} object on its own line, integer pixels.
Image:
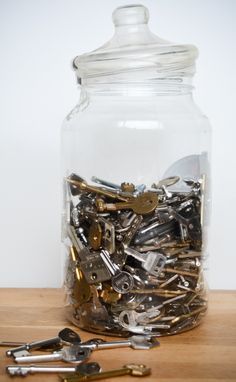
[
  {"x": 81, "y": 369},
  {"x": 135, "y": 342},
  {"x": 130, "y": 369},
  {"x": 82, "y": 185},
  {"x": 72, "y": 354},
  {"x": 143, "y": 204},
  {"x": 65, "y": 336},
  {"x": 152, "y": 262},
  {"x": 122, "y": 282}
]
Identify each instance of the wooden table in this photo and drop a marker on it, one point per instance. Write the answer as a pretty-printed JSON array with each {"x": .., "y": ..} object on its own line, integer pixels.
[{"x": 206, "y": 353}]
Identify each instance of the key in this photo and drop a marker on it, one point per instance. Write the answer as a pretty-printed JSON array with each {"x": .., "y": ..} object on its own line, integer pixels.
[
  {"x": 82, "y": 369},
  {"x": 95, "y": 235},
  {"x": 133, "y": 318},
  {"x": 167, "y": 182},
  {"x": 130, "y": 234},
  {"x": 122, "y": 282},
  {"x": 105, "y": 183},
  {"x": 93, "y": 267},
  {"x": 135, "y": 342},
  {"x": 65, "y": 336},
  {"x": 108, "y": 239},
  {"x": 159, "y": 231},
  {"x": 143, "y": 204},
  {"x": 152, "y": 262},
  {"x": 81, "y": 289},
  {"x": 77, "y": 243},
  {"x": 72, "y": 354},
  {"x": 82, "y": 185},
  {"x": 130, "y": 369}
]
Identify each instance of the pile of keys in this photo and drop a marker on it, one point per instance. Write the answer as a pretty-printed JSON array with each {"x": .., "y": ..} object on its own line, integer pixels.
[
  {"x": 135, "y": 262},
  {"x": 67, "y": 347}
]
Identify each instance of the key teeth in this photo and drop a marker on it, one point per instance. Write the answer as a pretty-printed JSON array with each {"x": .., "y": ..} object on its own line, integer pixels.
[{"x": 14, "y": 370}]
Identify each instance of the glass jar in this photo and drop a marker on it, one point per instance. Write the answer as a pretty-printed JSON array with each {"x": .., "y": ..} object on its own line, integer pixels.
[{"x": 136, "y": 186}]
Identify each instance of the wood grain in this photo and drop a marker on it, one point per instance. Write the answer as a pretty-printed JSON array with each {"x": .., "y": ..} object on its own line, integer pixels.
[{"x": 206, "y": 353}]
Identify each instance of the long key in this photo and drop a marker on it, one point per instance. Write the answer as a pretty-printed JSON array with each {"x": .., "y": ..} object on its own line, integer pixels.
[
  {"x": 130, "y": 369},
  {"x": 152, "y": 262},
  {"x": 143, "y": 204},
  {"x": 65, "y": 336},
  {"x": 121, "y": 281},
  {"x": 82, "y": 369},
  {"x": 135, "y": 342},
  {"x": 82, "y": 185},
  {"x": 72, "y": 354}
]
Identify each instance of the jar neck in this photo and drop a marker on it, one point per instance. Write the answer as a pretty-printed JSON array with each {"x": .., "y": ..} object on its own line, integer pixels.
[{"x": 150, "y": 89}]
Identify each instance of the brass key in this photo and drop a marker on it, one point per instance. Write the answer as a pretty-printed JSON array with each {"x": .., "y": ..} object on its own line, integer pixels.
[
  {"x": 82, "y": 185},
  {"x": 143, "y": 204},
  {"x": 130, "y": 369}
]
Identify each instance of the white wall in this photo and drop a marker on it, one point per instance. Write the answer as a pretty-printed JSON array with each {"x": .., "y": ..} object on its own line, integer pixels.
[{"x": 38, "y": 40}]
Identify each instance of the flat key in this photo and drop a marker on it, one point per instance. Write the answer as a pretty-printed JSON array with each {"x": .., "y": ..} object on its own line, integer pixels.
[
  {"x": 143, "y": 204},
  {"x": 82, "y": 369},
  {"x": 130, "y": 369},
  {"x": 121, "y": 281},
  {"x": 152, "y": 262},
  {"x": 135, "y": 342},
  {"x": 72, "y": 354},
  {"x": 65, "y": 336}
]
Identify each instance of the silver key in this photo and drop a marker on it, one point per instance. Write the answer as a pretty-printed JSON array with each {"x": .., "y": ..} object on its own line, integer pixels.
[
  {"x": 122, "y": 282},
  {"x": 152, "y": 262},
  {"x": 65, "y": 336},
  {"x": 108, "y": 240},
  {"x": 72, "y": 354},
  {"x": 82, "y": 369},
  {"x": 91, "y": 263},
  {"x": 105, "y": 183},
  {"x": 135, "y": 342}
]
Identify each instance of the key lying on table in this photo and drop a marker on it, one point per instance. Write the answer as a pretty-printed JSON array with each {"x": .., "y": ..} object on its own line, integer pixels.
[
  {"x": 135, "y": 342},
  {"x": 65, "y": 336},
  {"x": 130, "y": 369},
  {"x": 72, "y": 354},
  {"x": 83, "y": 369}
]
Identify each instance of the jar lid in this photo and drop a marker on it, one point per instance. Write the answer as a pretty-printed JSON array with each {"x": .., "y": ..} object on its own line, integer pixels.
[{"x": 134, "y": 48}]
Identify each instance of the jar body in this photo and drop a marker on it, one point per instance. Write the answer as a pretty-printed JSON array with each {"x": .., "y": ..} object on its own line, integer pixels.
[{"x": 135, "y": 269}]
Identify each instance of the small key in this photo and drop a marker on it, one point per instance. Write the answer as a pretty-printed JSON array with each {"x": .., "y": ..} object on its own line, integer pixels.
[
  {"x": 167, "y": 182},
  {"x": 122, "y": 282},
  {"x": 105, "y": 183},
  {"x": 152, "y": 262},
  {"x": 130, "y": 234},
  {"x": 72, "y": 354},
  {"x": 82, "y": 185},
  {"x": 108, "y": 239},
  {"x": 143, "y": 204},
  {"x": 130, "y": 369},
  {"x": 131, "y": 318},
  {"x": 65, "y": 336},
  {"x": 82, "y": 369},
  {"x": 159, "y": 231},
  {"x": 135, "y": 342}
]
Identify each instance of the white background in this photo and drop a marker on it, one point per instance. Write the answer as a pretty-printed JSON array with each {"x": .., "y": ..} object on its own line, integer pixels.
[{"x": 38, "y": 40}]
